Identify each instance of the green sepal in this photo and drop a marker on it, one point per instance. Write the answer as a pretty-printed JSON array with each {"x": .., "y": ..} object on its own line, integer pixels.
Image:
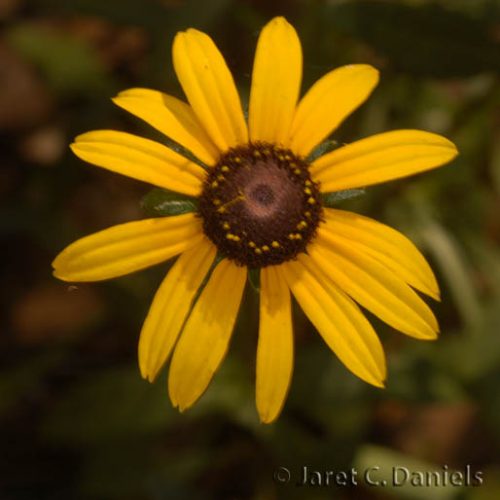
[
  {"x": 254, "y": 279},
  {"x": 218, "y": 258},
  {"x": 333, "y": 199},
  {"x": 161, "y": 203},
  {"x": 322, "y": 149}
]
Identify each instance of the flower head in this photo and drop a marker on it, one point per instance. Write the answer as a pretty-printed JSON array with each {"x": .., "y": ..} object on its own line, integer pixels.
[{"x": 260, "y": 206}]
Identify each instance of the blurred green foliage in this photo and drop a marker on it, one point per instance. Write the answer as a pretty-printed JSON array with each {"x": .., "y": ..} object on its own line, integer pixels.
[{"x": 77, "y": 421}]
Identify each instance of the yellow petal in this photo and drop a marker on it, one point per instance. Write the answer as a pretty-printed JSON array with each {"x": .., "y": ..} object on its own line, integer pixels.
[
  {"x": 126, "y": 248},
  {"x": 209, "y": 87},
  {"x": 338, "y": 320},
  {"x": 275, "y": 346},
  {"x": 328, "y": 102},
  {"x": 373, "y": 286},
  {"x": 277, "y": 73},
  {"x": 171, "y": 117},
  {"x": 387, "y": 245},
  {"x": 382, "y": 157},
  {"x": 140, "y": 159},
  {"x": 171, "y": 306},
  {"x": 205, "y": 338}
]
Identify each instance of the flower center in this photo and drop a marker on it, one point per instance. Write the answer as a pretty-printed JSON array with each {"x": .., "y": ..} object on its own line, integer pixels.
[
  {"x": 259, "y": 205},
  {"x": 262, "y": 194}
]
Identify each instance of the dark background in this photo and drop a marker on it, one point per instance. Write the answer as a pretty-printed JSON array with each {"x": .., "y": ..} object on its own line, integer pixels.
[{"x": 76, "y": 419}]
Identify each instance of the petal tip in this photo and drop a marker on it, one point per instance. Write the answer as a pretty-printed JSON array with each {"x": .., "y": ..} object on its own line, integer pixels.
[
  {"x": 56, "y": 268},
  {"x": 434, "y": 293},
  {"x": 125, "y": 93},
  {"x": 380, "y": 377},
  {"x": 268, "y": 413},
  {"x": 57, "y": 274},
  {"x": 122, "y": 99},
  {"x": 172, "y": 395},
  {"x": 377, "y": 379},
  {"x": 429, "y": 335},
  {"x": 454, "y": 150},
  {"x": 63, "y": 275},
  {"x": 179, "y": 37},
  {"x": 440, "y": 141},
  {"x": 150, "y": 377},
  {"x": 182, "y": 406},
  {"x": 85, "y": 137},
  {"x": 193, "y": 32},
  {"x": 75, "y": 147},
  {"x": 144, "y": 368},
  {"x": 279, "y": 20},
  {"x": 374, "y": 74},
  {"x": 369, "y": 71},
  {"x": 449, "y": 150},
  {"x": 266, "y": 418},
  {"x": 78, "y": 146}
]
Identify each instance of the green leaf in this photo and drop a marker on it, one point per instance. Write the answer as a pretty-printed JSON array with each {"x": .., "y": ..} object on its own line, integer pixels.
[
  {"x": 321, "y": 149},
  {"x": 254, "y": 279},
  {"x": 159, "y": 202},
  {"x": 333, "y": 199},
  {"x": 218, "y": 258}
]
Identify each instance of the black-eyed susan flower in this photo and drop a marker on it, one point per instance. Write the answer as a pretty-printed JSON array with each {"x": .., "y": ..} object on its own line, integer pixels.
[{"x": 259, "y": 206}]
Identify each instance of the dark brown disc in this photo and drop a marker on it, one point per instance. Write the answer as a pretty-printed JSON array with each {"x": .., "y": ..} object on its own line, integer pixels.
[{"x": 259, "y": 205}]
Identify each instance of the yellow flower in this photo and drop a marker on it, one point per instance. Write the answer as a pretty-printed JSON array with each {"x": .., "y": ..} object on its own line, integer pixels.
[{"x": 260, "y": 207}]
